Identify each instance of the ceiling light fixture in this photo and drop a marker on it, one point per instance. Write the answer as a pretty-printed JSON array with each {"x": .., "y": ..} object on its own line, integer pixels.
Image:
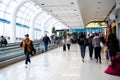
[
  {"x": 51, "y": 11},
  {"x": 99, "y": 2},
  {"x": 35, "y": 4},
  {"x": 75, "y": 10},
  {"x": 98, "y": 8},
  {"x": 72, "y": 2},
  {"x": 42, "y": 4}
]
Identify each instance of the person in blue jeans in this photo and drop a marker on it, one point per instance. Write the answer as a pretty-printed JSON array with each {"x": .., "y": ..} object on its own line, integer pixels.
[
  {"x": 82, "y": 43},
  {"x": 90, "y": 46},
  {"x": 46, "y": 40},
  {"x": 27, "y": 46}
]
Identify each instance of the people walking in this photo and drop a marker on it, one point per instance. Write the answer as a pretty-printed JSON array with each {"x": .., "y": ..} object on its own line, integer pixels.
[
  {"x": 82, "y": 44},
  {"x": 46, "y": 40},
  {"x": 113, "y": 46},
  {"x": 90, "y": 46},
  {"x": 27, "y": 46},
  {"x": 97, "y": 47},
  {"x": 68, "y": 42}
]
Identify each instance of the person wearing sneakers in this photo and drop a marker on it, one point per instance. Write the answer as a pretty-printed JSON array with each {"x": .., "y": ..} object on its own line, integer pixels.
[{"x": 27, "y": 46}]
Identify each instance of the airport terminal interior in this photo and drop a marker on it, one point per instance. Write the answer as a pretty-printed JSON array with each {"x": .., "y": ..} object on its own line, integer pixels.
[{"x": 59, "y": 39}]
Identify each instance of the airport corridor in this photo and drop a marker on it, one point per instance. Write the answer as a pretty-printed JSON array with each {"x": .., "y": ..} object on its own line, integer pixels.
[{"x": 58, "y": 65}]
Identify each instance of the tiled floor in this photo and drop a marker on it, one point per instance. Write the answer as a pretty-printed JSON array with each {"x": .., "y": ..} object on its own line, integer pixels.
[{"x": 58, "y": 65}]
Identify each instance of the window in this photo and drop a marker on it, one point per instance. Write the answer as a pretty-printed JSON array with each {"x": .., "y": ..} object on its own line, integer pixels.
[{"x": 6, "y": 6}]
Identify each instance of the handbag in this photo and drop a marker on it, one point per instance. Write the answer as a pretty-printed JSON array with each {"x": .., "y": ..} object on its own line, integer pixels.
[{"x": 114, "y": 68}]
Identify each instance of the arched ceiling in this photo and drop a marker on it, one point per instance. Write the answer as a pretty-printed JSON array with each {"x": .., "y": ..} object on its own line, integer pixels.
[{"x": 77, "y": 13}]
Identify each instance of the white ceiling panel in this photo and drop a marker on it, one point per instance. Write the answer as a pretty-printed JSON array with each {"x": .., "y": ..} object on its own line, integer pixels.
[
  {"x": 54, "y": 2},
  {"x": 95, "y": 10},
  {"x": 65, "y": 14},
  {"x": 63, "y": 10},
  {"x": 77, "y": 13}
]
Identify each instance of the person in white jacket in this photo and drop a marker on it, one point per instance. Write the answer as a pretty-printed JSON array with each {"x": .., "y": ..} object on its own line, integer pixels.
[
  {"x": 97, "y": 47},
  {"x": 68, "y": 42}
]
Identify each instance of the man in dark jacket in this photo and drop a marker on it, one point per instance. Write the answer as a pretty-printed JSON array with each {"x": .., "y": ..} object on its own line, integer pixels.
[
  {"x": 82, "y": 43},
  {"x": 46, "y": 40},
  {"x": 3, "y": 41}
]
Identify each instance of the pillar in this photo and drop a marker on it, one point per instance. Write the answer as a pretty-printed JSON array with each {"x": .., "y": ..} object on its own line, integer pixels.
[
  {"x": 13, "y": 21},
  {"x": 118, "y": 20}
]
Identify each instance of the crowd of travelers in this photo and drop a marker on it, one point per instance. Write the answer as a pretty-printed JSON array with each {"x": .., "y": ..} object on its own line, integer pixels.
[{"x": 94, "y": 41}]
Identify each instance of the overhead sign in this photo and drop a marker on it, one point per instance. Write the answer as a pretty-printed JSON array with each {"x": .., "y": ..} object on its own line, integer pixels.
[
  {"x": 87, "y": 30},
  {"x": 97, "y": 24}
]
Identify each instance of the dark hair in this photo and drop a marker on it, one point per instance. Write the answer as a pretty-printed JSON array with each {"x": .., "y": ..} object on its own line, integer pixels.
[
  {"x": 27, "y": 35},
  {"x": 96, "y": 34}
]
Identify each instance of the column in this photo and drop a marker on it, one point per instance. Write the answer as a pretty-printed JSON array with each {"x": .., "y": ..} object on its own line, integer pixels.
[
  {"x": 118, "y": 19},
  {"x": 13, "y": 21}
]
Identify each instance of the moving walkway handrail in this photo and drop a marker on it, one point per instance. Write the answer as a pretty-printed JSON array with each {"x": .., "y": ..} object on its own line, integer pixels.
[
  {"x": 10, "y": 52},
  {"x": 15, "y": 45}
]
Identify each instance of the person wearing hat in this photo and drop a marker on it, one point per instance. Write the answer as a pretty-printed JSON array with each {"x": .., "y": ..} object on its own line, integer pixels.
[{"x": 27, "y": 46}]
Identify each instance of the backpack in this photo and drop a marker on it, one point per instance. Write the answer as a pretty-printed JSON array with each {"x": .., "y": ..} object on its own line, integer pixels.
[{"x": 89, "y": 40}]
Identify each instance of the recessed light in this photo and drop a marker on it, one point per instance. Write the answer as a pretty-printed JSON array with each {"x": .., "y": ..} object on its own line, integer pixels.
[
  {"x": 35, "y": 4},
  {"x": 75, "y": 10},
  {"x": 99, "y": 2},
  {"x": 42, "y": 4},
  {"x": 72, "y": 2},
  {"x": 98, "y": 8},
  {"x": 51, "y": 11}
]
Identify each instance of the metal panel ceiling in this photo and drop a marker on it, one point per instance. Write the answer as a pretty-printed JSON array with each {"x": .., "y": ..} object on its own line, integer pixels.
[
  {"x": 95, "y": 10},
  {"x": 69, "y": 11}
]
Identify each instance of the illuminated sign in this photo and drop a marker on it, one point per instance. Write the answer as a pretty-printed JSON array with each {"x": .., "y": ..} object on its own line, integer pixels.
[
  {"x": 97, "y": 24},
  {"x": 87, "y": 30}
]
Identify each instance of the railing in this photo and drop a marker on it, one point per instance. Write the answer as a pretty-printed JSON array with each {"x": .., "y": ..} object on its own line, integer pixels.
[{"x": 13, "y": 51}]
